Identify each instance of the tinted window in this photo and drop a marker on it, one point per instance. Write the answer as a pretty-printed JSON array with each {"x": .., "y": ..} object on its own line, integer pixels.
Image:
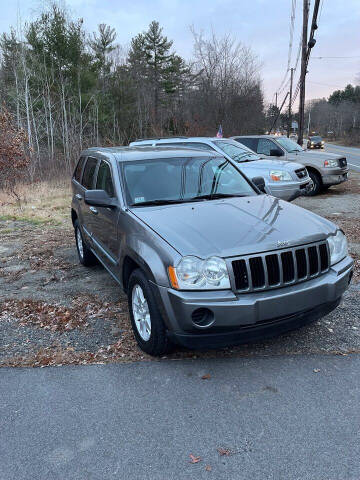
[
  {"x": 104, "y": 180},
  {"x": 265, "y": 145},
  {"x": 88, "y": 175},
  {"x": 182, "y": 179},
  {"x": 248, "y": 142},
  {"x": 78, "y": 169}
]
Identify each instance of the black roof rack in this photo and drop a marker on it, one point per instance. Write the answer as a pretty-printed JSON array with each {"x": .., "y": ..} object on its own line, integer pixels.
[{"x": 157, "y": 138}]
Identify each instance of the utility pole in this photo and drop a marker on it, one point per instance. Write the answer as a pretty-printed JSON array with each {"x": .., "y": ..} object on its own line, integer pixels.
[
  {"x": 303, "y": 70},
  {"x": 305, "y": 55},
  {"x": 276, "y": 94},
  {"x": 290, "y": 101}
]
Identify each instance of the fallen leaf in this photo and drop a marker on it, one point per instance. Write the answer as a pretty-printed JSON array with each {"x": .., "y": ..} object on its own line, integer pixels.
[
  {"x": 208, "y": 468},
  {"x": 316, "y": 370},
  {"x": 224, "y": 452},
  {"x": 207, "y": 376},
  {"x": 194, "y": 459}
]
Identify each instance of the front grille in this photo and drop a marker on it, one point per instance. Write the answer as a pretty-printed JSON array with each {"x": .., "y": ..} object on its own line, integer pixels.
[
  {"x": 342, "y": 162},
  {"x": 280, "y": 268},
  {"x": 301, "y": 172}
]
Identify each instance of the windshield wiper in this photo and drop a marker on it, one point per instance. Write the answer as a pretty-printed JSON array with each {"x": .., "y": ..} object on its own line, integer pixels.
[
  {"x": 214, "y": 196},
  {"x": 156, "y": 202}
]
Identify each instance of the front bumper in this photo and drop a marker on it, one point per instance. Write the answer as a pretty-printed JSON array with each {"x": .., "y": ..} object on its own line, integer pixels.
[
  {"x": 239, "y": 318},
  {"x": 334, "y": 176},
  {"x": 289, "y": 190}
]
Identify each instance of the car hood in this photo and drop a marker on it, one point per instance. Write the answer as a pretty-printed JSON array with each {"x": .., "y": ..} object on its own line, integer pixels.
[
  {"x": 235, "y": 226},
  {"x": 310, "y": 155},
  {"x": 268, "y": 164}
]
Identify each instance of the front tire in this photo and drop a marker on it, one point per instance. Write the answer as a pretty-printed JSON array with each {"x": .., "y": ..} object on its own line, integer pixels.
[
  {"x": 86, "y": 257},
  {"x": 146, "y": 321},
  {"x": 317, "y": 184}
]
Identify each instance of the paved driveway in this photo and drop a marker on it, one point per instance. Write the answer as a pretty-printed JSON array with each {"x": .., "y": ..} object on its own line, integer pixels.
[{"x": 285, "y": 417}]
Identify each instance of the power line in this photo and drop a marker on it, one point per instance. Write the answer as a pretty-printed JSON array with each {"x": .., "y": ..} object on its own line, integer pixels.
[{"x": 291, "y": 36}]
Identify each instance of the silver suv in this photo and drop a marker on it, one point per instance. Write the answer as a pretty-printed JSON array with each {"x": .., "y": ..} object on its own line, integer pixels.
[
  {"x": 205, "y": 258},
  {"x": 283, "y": 179},
  {"x": 325, "y": 169}
]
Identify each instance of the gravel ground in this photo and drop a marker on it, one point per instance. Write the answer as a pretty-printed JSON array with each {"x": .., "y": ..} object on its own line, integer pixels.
[{"x": 51, "y": 312}]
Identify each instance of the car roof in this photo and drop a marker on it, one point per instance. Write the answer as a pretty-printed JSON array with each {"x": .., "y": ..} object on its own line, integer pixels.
[
  {"x": 179, "y": 139},
  {"x": 125, "y": 154},
  {"x": 258, "y": 136}
]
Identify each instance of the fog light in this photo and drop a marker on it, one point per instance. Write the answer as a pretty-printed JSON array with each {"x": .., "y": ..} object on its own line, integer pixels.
[{"x": 202, "y": 317}]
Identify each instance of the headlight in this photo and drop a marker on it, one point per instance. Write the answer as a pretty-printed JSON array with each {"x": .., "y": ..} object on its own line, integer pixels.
[
  {"x": 331, "y": 163},
  {"x": 280, "y": 176},
  {"x": 338, "y": 247},
  {"x": 322, "y": 142},
  {"x": 312, "y": 143},
  {"x": 192, "y": 273}
]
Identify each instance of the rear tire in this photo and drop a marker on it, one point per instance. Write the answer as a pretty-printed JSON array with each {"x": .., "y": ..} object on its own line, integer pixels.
[
  {"x": 316, "y": 179},
  {"x": 146, "y": 321},
  {"x": 86, "y": 257}
]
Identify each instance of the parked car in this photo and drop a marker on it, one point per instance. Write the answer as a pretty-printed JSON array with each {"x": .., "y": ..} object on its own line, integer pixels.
[
  {"x": 315, "y": 142},
  {"x": 206, "y": 260},
  {"x": 325, "y": 169},
  {"x": 283, "y": 179}
]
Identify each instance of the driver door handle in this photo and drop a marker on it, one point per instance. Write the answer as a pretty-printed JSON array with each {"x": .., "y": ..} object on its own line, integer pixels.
[{"x": 93, "y": 210}]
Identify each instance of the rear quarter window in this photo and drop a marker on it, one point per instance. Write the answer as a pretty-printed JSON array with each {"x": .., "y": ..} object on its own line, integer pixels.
[{"x": 89, "y": 173}]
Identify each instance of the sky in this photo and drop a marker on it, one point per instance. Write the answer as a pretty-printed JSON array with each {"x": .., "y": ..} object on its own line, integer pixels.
[{"x": 263, "y": 25}]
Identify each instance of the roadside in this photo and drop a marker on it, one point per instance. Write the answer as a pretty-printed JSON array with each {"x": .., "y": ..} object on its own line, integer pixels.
[
  {"x": 284, "y": 417},
  {"x": 52, "y": 314}
]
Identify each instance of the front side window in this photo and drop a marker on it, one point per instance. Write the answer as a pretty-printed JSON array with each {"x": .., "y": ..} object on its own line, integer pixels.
[
  {"x": 289, "y": 145},
  {"x": 88, "y": 175},
  {"x": 177, "y": 180},
  {"x": 237, "y": 152},
  {"x": 78, "y": 169},
  {"x": 104, "y": 180},
  {"x": 265, "y": 146}
]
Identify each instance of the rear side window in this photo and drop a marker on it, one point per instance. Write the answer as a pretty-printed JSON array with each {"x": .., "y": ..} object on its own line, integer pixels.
[
  {"x": 88, "y": 175},
  {"x": 248, "y": 142},
  {"x": 104, "y": 180},
  {"x": 78, "y": 169},
  {"x": 265, "y": 145}
]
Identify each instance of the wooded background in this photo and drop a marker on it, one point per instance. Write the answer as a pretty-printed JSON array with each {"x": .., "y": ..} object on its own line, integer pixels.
[
  {"x": 69, "y": 89},
  {"x": 65, "y": 89}
]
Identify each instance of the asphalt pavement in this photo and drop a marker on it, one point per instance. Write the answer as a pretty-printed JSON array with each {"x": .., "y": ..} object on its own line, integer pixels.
[
  {"x": 352, "y": 154},
  {"x": 279, "y": 417}
]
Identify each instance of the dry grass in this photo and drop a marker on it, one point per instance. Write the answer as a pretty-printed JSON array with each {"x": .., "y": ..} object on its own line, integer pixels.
[{"x": 42, "y": 203}]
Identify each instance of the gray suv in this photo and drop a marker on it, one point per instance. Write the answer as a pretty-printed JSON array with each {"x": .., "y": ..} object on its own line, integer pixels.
[
  {"x": 325, "y": 169},
  {"x": 283, "y": 179},
  {"x": 206, "y": 259}
]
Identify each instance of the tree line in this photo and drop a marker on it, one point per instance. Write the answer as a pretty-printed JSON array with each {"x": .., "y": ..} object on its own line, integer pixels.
[
  {"x": 338, "y": 116},
  {"x": 66, "y": 89}
]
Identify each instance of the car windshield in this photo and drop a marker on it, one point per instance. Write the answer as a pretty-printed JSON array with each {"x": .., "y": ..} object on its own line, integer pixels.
[
  {"x": 315, "y": 139},
  {"x": 236, "y": 152},
  {"x": 289, "y": 145},
  {"x": 178, "y": 180}
]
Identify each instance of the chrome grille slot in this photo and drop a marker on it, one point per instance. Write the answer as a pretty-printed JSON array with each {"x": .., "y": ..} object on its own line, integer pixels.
[
  {"x": 288, "y": 267},
  {"x": 280, "y": 268},
  {"x": 257, "y": 272}
]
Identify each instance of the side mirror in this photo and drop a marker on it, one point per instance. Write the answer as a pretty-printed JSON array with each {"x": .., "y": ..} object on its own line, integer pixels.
[
  {"x": 276, "y": 152},
  {"x": 99, "y": 198},
  {"x": 259, "y": 183}
]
